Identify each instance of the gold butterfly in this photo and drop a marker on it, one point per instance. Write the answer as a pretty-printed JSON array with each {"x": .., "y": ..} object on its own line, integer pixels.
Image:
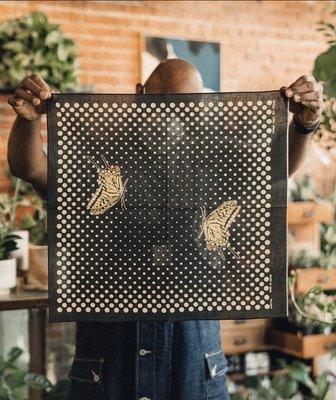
[
  {"x": 111, "y": 188},
  {"x": 216, "y": 226}
]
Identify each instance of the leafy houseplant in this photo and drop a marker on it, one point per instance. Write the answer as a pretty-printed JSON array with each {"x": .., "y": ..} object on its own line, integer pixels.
[
  {"x": 324, "y": 68},
  {"x": 14, "y": 381},
  {"x": 293, "y": 384},
  {"x": 302, "y": 259},
  {"x": 7, "y": 245},
  {"x": 31, "y": 215},
  {"x": 328, "y": 246},
  {"x": 31, "y": 44},
  {"x": 315, "y": 305},
  {"x": 325, "y": 72},
  {"x": 302, "y": 189}
]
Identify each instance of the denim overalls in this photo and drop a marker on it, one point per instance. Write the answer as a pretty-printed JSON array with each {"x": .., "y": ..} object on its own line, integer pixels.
[{"x": 179, "y": 360}]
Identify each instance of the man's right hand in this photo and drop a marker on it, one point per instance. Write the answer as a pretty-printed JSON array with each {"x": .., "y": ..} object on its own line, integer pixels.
[{"x": 29, "y": 101}]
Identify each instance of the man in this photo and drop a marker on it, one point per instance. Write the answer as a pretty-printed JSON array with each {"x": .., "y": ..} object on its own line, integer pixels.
[{"x": 147, "y": 360}]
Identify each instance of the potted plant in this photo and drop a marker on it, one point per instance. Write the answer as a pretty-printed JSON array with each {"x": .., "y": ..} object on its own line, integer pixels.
[
  {"x": 8, "y": 244},
  {"x": 15, "y": 382},
  {"x": 295, "y": 383},
  {"x": 7, "y": 261},
  {"x": 302, "y": 259},
  {"x": 315, "y": 306},
  {"x": 327, "y": 258},
  {"x": 31, "y": 217},
  {"x": 302, "y": 189},
  {"x": 31, "y": 44}
]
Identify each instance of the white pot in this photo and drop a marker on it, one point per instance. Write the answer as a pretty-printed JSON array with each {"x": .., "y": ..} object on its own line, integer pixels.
[{"x": 7, "y": 276}]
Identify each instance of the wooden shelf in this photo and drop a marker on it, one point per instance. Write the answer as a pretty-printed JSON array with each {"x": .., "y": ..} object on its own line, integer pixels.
[
  {"x": 241, "y": 375},
  {"x": 24, "y": 300},
  {"x": 301, "y": 346},
  {"x": 241, "y": 336},
  {"x": 310, "y": 212},
  {"x": 310, "y": 277}
]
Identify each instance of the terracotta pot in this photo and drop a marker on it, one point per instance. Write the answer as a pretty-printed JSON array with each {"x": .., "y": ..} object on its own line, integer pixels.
[
  {"x": 7, "y": 276},
  {"x": 38, "y": 267}
]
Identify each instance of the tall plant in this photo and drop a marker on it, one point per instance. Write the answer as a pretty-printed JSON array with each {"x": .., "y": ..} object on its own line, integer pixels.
[
  {"x": 325, "y": 72},
  {"x": 7, "y": 238},
  {"x": 31, "y": 44},
  {"x": 14, "y": 381}
]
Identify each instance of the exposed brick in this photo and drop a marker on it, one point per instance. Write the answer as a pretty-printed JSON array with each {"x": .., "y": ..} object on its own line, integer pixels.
[{"x": 265, "y": 44}]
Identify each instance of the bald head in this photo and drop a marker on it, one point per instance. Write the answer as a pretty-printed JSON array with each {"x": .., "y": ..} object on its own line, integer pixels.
[{"x": 174, "y": 76}]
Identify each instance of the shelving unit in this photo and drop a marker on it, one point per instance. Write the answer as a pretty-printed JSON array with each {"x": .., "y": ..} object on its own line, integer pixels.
[{"x": 242, "y": 336}]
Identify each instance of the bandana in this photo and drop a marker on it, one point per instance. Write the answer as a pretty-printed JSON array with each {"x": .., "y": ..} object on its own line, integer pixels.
[{"x": 167, "y": 207}]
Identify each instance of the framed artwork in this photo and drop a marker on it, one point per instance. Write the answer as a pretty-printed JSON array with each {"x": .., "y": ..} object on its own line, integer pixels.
[
  {"x": 167, "y": 207},
  {"x": 156, "y": 49}
]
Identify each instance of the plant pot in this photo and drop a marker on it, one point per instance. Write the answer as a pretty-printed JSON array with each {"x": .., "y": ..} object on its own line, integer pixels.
[
  {"x": 38, "y": 267},
  {"x": 7, "y": 276}
]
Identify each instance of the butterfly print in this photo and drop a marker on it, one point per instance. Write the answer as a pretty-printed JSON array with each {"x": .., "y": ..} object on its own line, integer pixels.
[
  {"x": 215, "y": 227},
  {"x": 111, "y": 188}
]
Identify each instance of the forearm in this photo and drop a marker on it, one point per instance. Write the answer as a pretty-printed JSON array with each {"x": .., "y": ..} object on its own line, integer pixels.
[
  {"x": 26, "y": 158},
  {"x": 299, "y": 145}
]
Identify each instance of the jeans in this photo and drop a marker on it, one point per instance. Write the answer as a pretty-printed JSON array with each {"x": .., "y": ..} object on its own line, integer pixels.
[{"x": 180, "y": 360}]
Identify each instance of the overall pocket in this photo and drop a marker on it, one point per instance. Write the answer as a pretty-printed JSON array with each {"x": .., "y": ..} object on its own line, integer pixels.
[
  {"x": 86, "y": 377},
  {"x": 216, "y": 380}
]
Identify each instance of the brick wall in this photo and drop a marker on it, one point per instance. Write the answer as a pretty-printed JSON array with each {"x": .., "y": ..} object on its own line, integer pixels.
[{"x": 265, "y": 44}]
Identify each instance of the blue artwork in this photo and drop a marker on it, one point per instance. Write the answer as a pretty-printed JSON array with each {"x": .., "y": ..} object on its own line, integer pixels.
[{"x": 204, "y": 55}]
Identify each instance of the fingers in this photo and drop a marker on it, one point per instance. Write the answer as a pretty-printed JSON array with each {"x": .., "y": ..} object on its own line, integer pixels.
[
  {"x": 302, "y": 80},
  {"x": 314, "y": 105},
  {"x": 313, "y": 99},
  {"x": 305, "y": 84},
  {"x": 27, "y": 95},
  {"x": 306, "y": 91},
  {"x": 36, "y": 88},
  {"x": 43, "y": 85},
  {"x": 15, "y": 102}
]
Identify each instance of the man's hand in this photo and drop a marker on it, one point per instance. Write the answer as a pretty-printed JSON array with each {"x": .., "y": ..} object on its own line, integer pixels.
[
  {"x": 29, "y": 99},
  {"x": 305, "y": 100}
]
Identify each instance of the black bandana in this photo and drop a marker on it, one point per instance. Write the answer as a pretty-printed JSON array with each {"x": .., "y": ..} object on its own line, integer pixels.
[{"x": 167, "y": 207}]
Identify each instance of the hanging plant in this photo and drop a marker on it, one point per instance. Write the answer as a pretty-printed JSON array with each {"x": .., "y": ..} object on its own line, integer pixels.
[{"x": 31, "y": 44}]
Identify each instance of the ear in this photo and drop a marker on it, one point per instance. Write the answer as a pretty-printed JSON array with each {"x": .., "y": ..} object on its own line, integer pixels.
[{"x": 139, "y": 88}]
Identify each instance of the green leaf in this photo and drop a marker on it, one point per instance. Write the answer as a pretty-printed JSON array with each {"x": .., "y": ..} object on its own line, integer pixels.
[
  {"x": 52, "y": 38},
  {"x": 15, "y": 46},
  {"x": 28, "y": 221},
  {"x": 62, "y": 52},
  {"x": 325, "y": 71},
  {"x": 37, "y": 381},
  {"x": 285, "y": 386},
  {"x": 300, "y": 372},
  {"x": 322, "y": 386},
  {"x": 15, "y": 379},
  {"x": 13, "y": 354}
]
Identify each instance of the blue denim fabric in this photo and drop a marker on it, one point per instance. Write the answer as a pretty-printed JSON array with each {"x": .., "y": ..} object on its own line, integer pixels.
[{"x": 179, "y": 360}]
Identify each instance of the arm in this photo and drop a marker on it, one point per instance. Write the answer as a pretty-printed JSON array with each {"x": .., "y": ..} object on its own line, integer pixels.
[
  {"x": 26, "y": 158},
  {"x": 306, "y": 103},
  {"x": 298, "y": 147}
]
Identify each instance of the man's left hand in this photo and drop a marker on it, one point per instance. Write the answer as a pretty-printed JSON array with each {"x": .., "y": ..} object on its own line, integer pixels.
[{"x": 305, "y": 100}]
